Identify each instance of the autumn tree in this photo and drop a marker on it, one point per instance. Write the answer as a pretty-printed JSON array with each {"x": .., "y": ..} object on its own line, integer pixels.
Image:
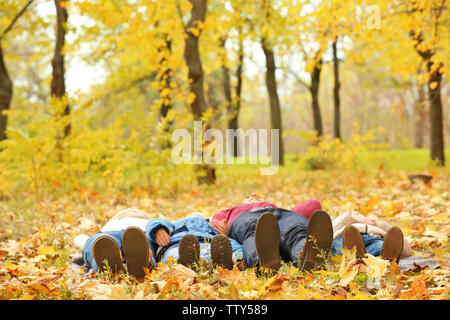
[
  {"x": 6, "y": 85},
  {"x": 58, "y": 86}
]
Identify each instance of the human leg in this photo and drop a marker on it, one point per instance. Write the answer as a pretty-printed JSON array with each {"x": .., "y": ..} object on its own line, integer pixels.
[
  {"x": 373, "y": 244},
  {"x": 242, "y": 229},
  {"x": 293, "y": 231}
]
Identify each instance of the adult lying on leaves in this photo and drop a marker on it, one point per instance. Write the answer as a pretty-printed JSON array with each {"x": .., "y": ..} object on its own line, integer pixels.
[
  {"x": 134, "y": 239},
  {"x": 269, "y": 234}
]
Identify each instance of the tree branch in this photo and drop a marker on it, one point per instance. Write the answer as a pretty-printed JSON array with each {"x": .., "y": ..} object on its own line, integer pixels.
[{"x": 14, "y": 20}]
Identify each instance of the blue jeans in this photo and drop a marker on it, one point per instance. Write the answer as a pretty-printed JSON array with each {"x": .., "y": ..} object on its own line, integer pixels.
[
  {"x": 172, "y": 252},
  {"x": 88, "y": 253},
  {"x": 374, "y": 245},
  {"x": 293, "y": 230}
]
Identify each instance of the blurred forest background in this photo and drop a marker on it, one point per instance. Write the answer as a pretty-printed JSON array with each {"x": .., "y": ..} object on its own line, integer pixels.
[{"x": 91, "y": 90}]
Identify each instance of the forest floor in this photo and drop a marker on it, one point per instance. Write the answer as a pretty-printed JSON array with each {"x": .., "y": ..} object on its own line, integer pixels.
[{"x": 36, "y": 237}]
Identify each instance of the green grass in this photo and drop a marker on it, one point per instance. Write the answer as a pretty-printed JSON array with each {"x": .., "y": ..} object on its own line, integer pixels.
[
  {"x": 401, "y": 159},
  {"x": 391, "y": 159}
]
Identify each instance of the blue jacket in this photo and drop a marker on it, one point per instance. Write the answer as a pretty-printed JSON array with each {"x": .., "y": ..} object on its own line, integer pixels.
[{"x": 197, "y": 226}]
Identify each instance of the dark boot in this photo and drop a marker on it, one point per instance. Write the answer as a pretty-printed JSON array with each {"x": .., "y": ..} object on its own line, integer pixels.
[
  {"x": 318, "y": 241},
  {"x": 105, "y": 248},
  {"x": 393, "y": 244},
  {"x": 189, "y": 251},
  {"x": 267, "y": 241},
  {"x": 352, "y": 238},
  {"x": 222, "y": 252},
  {"x": 136, "y": 251}
]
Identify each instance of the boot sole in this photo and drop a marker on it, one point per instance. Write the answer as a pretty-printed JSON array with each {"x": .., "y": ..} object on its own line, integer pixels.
[
  {"x": 393, "y": 244},
  {"x": 267, "y": 241},
  {"x": 105, "y": 248},
  {"x": 189, "y": 250},
  {"x": 136, "y": 251},
  {"x": 352, "y": 238},
  {"x": 318, "y": 240},
  {"x": 222, "y": 252}
]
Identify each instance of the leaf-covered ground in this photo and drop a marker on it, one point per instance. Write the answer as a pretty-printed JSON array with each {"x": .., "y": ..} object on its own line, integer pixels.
[{"x": 36, "y": 240}]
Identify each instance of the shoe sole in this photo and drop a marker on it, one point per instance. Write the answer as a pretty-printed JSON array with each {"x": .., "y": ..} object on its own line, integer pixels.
[
  {"x": 136, "y": 251},
  {"x": 267, "y": 241},
  {"x": 189, "y": 250},
  {"x": 318, "y": 240},
  {"x": 352, "y": 238},
  {"x": 393, "y": 244},
  {"x": 222, "y": 252},
  {"x": 105, "y": 248}
]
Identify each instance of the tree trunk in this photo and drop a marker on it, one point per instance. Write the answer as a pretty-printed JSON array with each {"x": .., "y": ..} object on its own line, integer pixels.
[
  {"x": 192, "y": 57},
  {"x": 195, "y": 74},
  {"x": 436, "y": 118},
  {"x": 314, "y": 89},
  {"x": 167, "y": 98},
  {"x": 6, "y": 85},
  {"x": 336, "y": 96},
  {"x": 58, "y": 87},
  {"x": 6, "y": 92},
  {"x": 420, "y": 114},
  {"x": 233, "y": 124},
  {"x": 275, "y": 109}
]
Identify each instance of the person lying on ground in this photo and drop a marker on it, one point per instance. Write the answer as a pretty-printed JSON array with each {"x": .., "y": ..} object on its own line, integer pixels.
[
  {"x": 128, "y": 238},
  {"x": 189, "y": 239},
  {"x": 121, "y": 239},
  {"x": 269, "y": 234},
  {"x": 375, "y": 237}
]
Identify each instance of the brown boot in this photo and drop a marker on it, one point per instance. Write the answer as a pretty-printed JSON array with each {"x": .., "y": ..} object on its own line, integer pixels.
[
  {"x": 105, "y": 248},
  {"x": 222, "y": 252},
  {"x": 189, "y": 251},
  {"x": 393, "y": 244},
  {"x": 352, "y": 238},
  {"x": 136, "y": 251},
  {"x": 267, "y": 241},
  {"x": 318, "y": 241}
]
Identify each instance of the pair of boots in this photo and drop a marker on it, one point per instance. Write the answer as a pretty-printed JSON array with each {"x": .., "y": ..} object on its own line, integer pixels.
[
  {"x": 392, "y": 244},
  {"x": 136, "y": 250},
  {"x": 138, "y": 255},
  {"x": 314, "y": 252},
  {"x": 221, "y": 251}
]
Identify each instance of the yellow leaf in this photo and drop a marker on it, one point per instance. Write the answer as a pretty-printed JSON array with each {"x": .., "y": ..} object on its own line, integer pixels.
[
  {"x": 375, "y": 265},
  {"x": 433, "y": 85},
  {"x": 302, "y": 293},
  {"x": 46, "y": 250}
]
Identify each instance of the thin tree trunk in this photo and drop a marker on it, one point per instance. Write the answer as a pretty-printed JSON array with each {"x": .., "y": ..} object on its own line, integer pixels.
[
  {"x": 420, "y": 113},
  {"x": 58, "y": 87},
  {"x": 436, "y": 118},
  {"x": 233, "y": 124},
  {"x": 275, "y": 109},
  {"x": 195, "y": 74},
  {"x": 6, "y": 92},
  {"x": 336, "y": 96},
  {"x": 314, "y": 90},
  {"x": 167, "y": 98}
]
